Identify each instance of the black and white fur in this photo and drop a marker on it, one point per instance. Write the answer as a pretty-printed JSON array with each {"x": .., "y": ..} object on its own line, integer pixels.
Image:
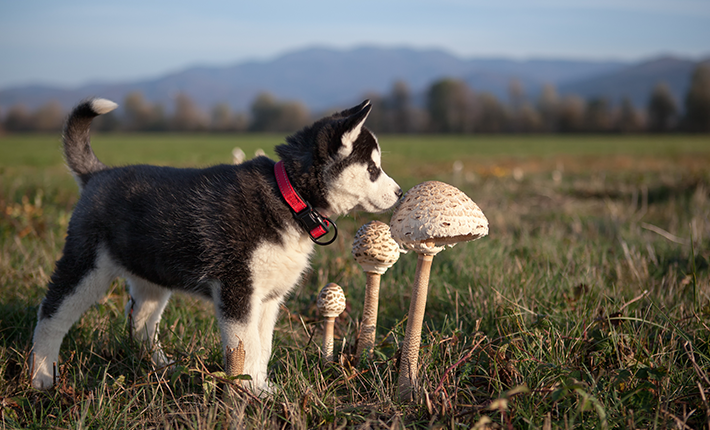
[{"x": 223, "y": 232}]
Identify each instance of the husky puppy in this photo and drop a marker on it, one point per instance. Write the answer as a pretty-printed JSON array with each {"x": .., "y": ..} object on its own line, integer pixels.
[{"x": 225, "y": 233}]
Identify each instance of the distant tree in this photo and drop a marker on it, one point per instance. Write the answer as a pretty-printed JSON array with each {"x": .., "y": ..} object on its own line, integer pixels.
[
  {"x": 293, "y": 116},
  {"x": 270, "y": 115},
  {"x": 187, "y": 115},
  {"x": 516, "y": 96},
  {"x": 548, "y": 106},
  {"x": 240, "y": 121},
  {"x": 221, "y": 117},
  {"x": 141, "y": 115},
  {"x": 697, "y": 100},
  {"x": 662, "y": 109},
  {"x": 598, "y": 115},
  {"x": 401, "y": 108},
  {"x": 158, "y": 120},
  {"x": 378, "y": 120},
  {"x": 491, "y": 115},
  {"x": 18, "y": 119},
  {"x": 264, "y": 112},
  {"x": 136, "y": 111},
  {"x": 107, "y": 123},
  {"x": 628, "y": 119},
  {"x": 529, "y": 119},
  {"x": 571, "y": 114},
  {"x": 224, "y": 120},
  {"x": 449, "y": 104},
  {"x": 49, "y": 117}
]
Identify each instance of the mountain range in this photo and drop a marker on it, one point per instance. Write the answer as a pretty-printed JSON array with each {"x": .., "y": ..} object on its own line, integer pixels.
[{"x": 324, "y": 78}]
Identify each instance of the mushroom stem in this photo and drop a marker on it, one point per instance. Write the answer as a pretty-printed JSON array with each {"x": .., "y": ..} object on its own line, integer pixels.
[
  {"x": 328, "y": 339},
  {"x": 366, "y": 338},
  {"x": 407, "y": 385}
]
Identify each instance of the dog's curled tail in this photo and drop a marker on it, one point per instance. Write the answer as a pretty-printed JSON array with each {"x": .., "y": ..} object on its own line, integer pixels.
[{"x": 77, "y": 139}]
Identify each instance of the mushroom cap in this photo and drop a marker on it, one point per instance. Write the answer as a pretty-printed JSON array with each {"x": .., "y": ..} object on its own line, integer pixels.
[
  {"x": 374, "y": 249},
  {"x": 434, "y": 214},
  {"x": 331, "y": 300}
]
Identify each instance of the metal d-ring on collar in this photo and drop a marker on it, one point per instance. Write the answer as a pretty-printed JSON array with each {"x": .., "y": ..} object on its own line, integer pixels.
[{"x": 315, "y": 224}]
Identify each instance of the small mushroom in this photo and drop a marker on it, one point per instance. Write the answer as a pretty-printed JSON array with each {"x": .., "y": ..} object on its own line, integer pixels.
[
  {"x": 235, "y": 360},
  {"x": 375, "y": 251},
  {"x": 331, "y": 303},
  {"x": 431, "y": 216},
  {"x": 238, "y": 155}
]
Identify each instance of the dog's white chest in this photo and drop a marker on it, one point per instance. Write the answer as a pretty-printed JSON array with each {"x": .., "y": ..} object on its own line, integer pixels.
[{"x": 276, "y": 268}]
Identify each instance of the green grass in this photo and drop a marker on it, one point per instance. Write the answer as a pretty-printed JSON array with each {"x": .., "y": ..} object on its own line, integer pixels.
[{"x": 587, "y": 306}]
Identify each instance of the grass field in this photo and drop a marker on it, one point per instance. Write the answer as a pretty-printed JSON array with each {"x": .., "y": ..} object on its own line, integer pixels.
[{"x": 587, "y": 306}]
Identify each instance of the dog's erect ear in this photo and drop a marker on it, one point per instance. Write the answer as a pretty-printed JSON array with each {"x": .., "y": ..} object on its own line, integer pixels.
[
  {"x": 351, "y": 126},
  {"x": 355, "y": 109}
]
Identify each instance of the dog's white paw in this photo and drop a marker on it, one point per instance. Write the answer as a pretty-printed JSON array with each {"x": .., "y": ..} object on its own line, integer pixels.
[
  {"x": 42, "y": 372},
  {"x": 42, "y": 381},
  {"x": 42, "y": 377},
  {"x": 161, "y": 361}
]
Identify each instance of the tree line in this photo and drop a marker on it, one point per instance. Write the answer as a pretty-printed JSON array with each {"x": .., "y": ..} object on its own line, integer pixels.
[{"x": 448, "y": 106}]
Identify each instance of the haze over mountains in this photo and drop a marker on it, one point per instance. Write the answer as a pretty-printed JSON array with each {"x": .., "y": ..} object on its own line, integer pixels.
[{"x": 324, "y": 78}]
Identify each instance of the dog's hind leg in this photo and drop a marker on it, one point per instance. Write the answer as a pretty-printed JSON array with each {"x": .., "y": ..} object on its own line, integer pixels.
[
  {"x": 75, "y": 285},
  {"x": 144, "y": 311}
]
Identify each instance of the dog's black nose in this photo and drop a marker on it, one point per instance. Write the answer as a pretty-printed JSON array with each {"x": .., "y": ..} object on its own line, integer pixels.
[{"x": 398, "y": 192}]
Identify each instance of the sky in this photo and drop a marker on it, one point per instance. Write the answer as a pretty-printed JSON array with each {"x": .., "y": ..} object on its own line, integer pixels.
[{"x": 72, "y": 42}]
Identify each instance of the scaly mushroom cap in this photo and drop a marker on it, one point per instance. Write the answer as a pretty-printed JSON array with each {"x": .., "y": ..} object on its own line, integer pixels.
[
  {"x": 374, "y": 249},
  {"x": 331, "y": 301},
  {"x": 434, "y": 214}
]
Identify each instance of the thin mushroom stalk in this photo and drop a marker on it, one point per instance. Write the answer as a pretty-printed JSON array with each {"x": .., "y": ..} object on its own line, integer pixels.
[
  {"x": 375, "y": 251},
  {"x": 328, "y": 339},
  {"x": 368, "y": 327},
  {"x": 431, "y": 216},
  {"x": 331, "y": 303},
  {"x": 407, "y": 382}
]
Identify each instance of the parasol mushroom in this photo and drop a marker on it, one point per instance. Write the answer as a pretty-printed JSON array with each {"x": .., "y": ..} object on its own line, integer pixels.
[
  {"x": 431, "y": 216},
  {"x": 331, "y": 303},
  {"x": 375, "y": 251}
]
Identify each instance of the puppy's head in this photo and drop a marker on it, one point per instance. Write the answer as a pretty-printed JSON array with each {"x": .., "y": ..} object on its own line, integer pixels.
[{"x": 338, "y": 164}]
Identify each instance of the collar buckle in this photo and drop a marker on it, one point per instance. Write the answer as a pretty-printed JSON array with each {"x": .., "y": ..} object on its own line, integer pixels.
[{"x": 314, "y": 223}]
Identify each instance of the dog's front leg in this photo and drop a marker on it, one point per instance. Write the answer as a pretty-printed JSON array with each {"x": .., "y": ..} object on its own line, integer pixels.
[
  {"x": 246, "y": 331},
  {"x": 267, "y": 322}
]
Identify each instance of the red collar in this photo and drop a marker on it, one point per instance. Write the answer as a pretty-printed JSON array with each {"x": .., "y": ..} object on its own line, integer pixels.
[{"x": 314, "y": 223}]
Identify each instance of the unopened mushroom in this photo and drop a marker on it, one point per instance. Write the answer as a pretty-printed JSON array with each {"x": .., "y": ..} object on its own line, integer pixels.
[
  {"x": 331, "y": 303},
  {"x": 238, "y": 155},
  {"x": 431, "y": 216},
  {"x": 375, "y": 251},
  {"x": 235, "y": 358}
]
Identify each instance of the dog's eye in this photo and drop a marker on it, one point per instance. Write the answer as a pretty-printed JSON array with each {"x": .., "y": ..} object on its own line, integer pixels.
[{"x": 374, "y": 171}]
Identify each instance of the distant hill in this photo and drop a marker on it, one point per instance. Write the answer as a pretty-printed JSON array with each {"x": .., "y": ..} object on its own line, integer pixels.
[
  {"x": 636, "y": 81},
  {"x": 324, "y": 78}
]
